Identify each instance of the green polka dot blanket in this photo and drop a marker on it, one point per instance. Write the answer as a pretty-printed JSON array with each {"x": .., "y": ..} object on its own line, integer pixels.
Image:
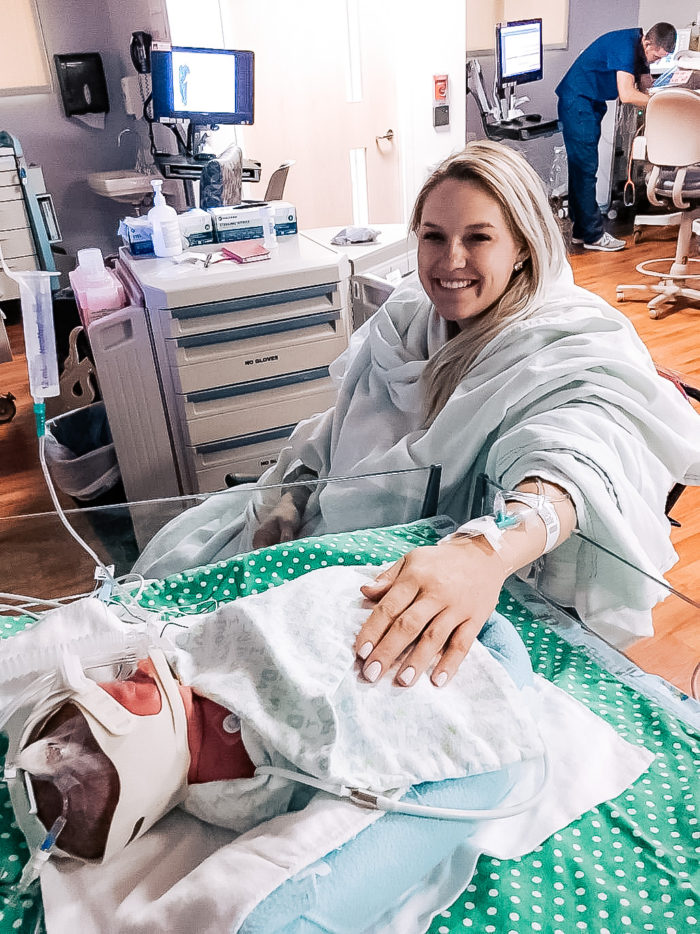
[{"x": 628, "y": 866}]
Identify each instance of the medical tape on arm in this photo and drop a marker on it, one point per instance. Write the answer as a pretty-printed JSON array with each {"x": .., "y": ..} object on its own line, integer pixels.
[
  {"x": 542, "y": 507},
  {"x": 493, "y": 528}
]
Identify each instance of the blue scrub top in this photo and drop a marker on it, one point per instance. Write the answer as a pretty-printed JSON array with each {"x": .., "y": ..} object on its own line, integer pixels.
[{"x": 594, "y": 73}]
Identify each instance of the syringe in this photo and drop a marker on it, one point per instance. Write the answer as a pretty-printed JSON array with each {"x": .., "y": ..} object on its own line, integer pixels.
[
  {"x": 39, "y": 335},
  {"x": 39, "y": 338}
]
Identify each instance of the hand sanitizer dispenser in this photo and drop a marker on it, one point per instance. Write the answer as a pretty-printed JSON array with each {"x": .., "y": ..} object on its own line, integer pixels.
[{"x": 167, "y": 240}]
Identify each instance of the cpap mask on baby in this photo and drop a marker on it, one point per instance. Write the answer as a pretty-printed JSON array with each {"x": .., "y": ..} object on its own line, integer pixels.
[{"x": 87, "y": 776}]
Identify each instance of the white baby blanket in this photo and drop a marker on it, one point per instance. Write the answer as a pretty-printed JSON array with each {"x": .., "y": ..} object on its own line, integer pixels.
[{"x": 283, "y": 662}]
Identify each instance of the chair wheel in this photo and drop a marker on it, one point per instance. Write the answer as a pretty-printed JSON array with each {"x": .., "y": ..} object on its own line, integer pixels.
[
  {"x": 655, "y": 313},
  {"x": 637, "y": 236},
  {"x": 8, "y": 409},
  {"x": 620, "y": 296}
]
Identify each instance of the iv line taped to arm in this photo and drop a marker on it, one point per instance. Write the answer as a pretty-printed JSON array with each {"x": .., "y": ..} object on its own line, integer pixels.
[{"x": 494, "y": 527}]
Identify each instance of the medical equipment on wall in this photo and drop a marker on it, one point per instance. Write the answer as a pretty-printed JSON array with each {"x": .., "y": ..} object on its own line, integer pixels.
[
  {"x": 207, "y": 88},
  {"x": 519, "y": 60},
  {"x": 140, "y": 51}
]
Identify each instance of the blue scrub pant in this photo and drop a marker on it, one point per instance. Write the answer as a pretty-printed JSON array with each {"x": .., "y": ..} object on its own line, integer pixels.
[{"x": 580, "y": 120}]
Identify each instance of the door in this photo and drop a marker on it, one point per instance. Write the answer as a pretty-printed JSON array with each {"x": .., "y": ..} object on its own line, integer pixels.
[{"x": 325, "y": 96}]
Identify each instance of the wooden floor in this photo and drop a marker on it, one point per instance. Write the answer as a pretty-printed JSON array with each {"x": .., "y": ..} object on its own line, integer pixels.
[{"x": 674, "y": 341}]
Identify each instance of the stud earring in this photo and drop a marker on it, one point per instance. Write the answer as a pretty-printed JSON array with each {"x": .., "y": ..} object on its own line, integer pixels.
[{"x": 518, "y": 266}]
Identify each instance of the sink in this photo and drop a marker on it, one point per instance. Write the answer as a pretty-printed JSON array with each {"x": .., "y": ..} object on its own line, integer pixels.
[{"x": 124, "y": 185}]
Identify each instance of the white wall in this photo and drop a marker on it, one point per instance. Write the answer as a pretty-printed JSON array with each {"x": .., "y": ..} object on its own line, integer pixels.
[{"x": 430, "y": 41}]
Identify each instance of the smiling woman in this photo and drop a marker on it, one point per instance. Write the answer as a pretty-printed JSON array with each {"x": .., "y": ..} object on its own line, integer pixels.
[
  {"x": 483, "y": 221},
  {"x": 467, "y": 253}
]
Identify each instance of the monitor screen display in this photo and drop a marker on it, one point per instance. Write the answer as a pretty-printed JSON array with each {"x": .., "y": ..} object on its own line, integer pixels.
[
  {"x": 205, "y": 86},
  {"x": 519, "y": 51}
]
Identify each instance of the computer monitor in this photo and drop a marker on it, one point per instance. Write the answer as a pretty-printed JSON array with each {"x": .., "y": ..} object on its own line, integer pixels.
[
  {"x": 518, "y": 52},
  {"x": 208, "y": 87}
]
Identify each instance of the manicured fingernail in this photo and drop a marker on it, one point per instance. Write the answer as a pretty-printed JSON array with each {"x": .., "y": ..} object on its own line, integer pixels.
[
  {"x": 365, "y": 650},
  {"x": 440, "y": 679},
  {"x": 407, "y": 675},
  {"x": 372, "y": 671}
]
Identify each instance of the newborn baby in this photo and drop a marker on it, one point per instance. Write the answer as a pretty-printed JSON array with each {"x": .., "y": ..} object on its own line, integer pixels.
[
  {"x": 73, "y": 778},
  {"x": 267, "y": 680}
]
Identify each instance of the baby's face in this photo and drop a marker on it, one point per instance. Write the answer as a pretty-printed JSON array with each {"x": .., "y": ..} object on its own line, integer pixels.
[
  {"x": 70, "y": 773},
  {"x": 84, "y": 784}
]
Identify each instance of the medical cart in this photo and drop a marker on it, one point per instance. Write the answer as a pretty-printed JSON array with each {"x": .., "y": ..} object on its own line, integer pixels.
[{"x": 205, "y": 374}]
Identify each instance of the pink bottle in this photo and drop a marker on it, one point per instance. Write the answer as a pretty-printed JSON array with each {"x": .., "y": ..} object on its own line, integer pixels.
[{"x": 97, "y": 289}]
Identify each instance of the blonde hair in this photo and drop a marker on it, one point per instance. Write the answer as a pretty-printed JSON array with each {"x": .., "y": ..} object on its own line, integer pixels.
[{"x": 514, "y": 185}]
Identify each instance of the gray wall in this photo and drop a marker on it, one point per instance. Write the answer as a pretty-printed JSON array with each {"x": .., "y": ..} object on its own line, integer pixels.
[
  {"x": 588, "y": 19},
  {"x": 66, "y": 149}
]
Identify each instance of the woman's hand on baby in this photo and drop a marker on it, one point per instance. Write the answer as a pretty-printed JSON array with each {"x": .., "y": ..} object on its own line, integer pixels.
[
  {"x": 432, "y": 602},
  {"x": 281, "y": 525}
]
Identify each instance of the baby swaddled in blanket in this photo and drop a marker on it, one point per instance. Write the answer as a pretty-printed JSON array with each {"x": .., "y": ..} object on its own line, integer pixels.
[
  {"x": 268, "y": 680},
  {"x": 102, "y": 747}
]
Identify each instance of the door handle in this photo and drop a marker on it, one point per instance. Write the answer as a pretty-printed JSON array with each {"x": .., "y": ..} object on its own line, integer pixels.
[{"x": 388, "y": 135}]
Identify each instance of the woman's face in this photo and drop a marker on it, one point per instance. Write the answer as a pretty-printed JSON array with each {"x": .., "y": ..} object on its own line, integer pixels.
[{"x": 466, "y": 251}]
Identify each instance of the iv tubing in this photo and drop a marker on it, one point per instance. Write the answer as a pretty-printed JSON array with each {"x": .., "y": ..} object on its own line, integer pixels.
[
  {"x": 366, "y": 798},
  {"x": 61, "y": 515}
]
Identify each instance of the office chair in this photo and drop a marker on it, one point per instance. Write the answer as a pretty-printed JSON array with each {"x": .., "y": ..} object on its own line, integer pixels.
[
  {"x": 672, "y": 131},
  {"x": 277, "y": 181}
]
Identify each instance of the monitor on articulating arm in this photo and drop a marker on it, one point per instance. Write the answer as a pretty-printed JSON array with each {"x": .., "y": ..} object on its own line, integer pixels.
[
  {"x": 208, "y": 87},
  {"x": 518, "y": 59}
]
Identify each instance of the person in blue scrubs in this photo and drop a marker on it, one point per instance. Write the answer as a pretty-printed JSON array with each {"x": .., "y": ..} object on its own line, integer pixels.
[{"x": 610, "y": 67}]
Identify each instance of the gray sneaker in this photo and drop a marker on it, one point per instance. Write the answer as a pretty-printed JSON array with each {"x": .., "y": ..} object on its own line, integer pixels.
[{"x": 607, "y": 243}]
